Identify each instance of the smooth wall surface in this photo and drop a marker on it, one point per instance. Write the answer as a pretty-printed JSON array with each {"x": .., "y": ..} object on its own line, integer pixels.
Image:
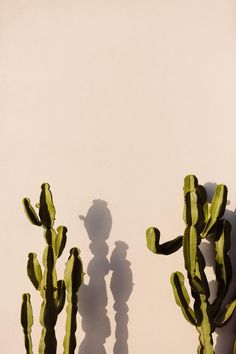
[{"x": 113, "y": 103}]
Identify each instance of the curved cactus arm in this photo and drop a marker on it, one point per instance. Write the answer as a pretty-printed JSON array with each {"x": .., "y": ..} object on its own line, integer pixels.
[
  {"x": 153, "y": 242},
  {"x": 47, "y": 210},
  {"x": 61, "y": 289},
  {"x": 60, "y": 240},
  {"x": 223, "y": 269},
  {"x": 34, "y": 270},
  {"x": 73, "y": 279},
  {"x": 27, "y": 322},
  {"x": 216, "y": 210},
  {"x": 181, "y": 296},
  {"x": 30, "y": 212},
  {"x": 190, "y": 243},
  {"x": 225, "y": 316}
]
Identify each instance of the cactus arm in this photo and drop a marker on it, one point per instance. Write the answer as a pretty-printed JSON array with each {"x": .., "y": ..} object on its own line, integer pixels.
[
  {"x": 48, "y": 312},
  {"x": 216, "y": 209},
  {"x": 73, "y": 279},
  {"x": 34, "y": 270},
  {"x": 61, "y": 288},
  {"x": 153, "y": 242},
  {"x": 225, "y": 316},
  {"x": 223, "y": 269},
  {"x": 47, "y": 210},
  {"x": 60, "y": 241},
  {"x": 27, "y": 322},
  {"x": 181, "y": 297},
  {"x": 30, "y": 212}
]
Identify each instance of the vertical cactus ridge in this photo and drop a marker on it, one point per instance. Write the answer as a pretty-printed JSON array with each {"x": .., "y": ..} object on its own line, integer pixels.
[
  {"x": 47, "y": 210},
  {"x": 153, "y": 242},
  {"x": 202, "y": 219},
  {"x": 27, "y": 322},
  {"x": 60, "y": 241},
  {"x": 217, "y": 209},
  {"x": 73, "y": 279},
  {"x": 223, "y": 269},
  {"x": 190, "y": 249},
  {"x": 53, "y": 292},
  {"x": 190, "y": 183},
  {"x": 61, "y": 290},
  {"x": 48, "y": 312}
]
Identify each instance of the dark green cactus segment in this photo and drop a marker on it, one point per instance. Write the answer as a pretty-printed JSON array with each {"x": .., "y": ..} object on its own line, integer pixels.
[
  {"x": 50, "y": 237},
  {"x": 49, "y": 281},
  {"x": 73, "y": 280},
  {"x": 199, "y": 283},
  {"x": 216, "y": 210},
  {"x": 226, "y": 314},
  {"x": 48, "y": 312},
  {"x": 27, "y": 322},
  {"x": 47, "y": 210},
  {"x": 60, "y": 240},
  {"x": 30, "y": 212},
  {"x": 191, "y": 209},
  {"x": 194, "y": 202},
  {"x": 61, "y": 289},
  {"x": 190, "y": 183},
  {"x": 223, "y": 269},
  {"x": 181, "y": 297},
  {"x": 153, "y": 242},
  {"x": 34, "y": 270},
  {"x": 190, "y": 249}
]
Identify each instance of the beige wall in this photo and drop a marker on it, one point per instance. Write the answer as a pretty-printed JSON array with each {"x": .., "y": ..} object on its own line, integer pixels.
[{"x": 118, "y": 101}]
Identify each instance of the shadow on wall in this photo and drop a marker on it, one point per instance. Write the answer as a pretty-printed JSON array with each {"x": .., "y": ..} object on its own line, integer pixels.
[
  {"x": 226, "y": 335},
  {"x": 93, "y": 296}
]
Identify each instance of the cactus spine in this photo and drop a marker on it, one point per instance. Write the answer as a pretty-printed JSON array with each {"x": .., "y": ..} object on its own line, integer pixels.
[
  {"x": 202, "y": 220},
  {"x": 52, "y": 291}
]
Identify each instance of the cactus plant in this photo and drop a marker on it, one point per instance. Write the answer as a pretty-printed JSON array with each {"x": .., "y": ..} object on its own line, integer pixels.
[
  {"x": 202, "y": 220},
  {"x": 53, "y": 291}
]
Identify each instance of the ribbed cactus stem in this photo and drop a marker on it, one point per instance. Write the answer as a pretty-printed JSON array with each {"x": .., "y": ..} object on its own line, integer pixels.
[
  {"x": 205, "y": 330},
  {"x": 53, "y": 292},
  {"x": 73, "y": 280},
  {"x": 48, "y": 313}
]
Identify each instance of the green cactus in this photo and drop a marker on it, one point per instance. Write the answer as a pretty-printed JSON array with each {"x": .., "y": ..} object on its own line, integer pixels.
[
  {"x": 52, "y": 291},
  {"x": 202, "y": 220}
]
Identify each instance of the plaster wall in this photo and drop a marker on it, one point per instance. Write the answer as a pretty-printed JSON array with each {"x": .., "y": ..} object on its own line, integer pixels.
[{"x": 113, "y": 101}]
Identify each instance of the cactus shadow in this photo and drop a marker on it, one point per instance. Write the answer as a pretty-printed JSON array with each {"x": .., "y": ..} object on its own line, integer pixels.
[
  {"x": 121, "y": 287},
  {"x": 93, "y": 296},
  {"x": 226, "y": 335}
]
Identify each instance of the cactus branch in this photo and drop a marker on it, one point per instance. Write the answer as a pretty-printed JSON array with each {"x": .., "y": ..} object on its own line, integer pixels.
[{"x": 202, "y": 219}]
